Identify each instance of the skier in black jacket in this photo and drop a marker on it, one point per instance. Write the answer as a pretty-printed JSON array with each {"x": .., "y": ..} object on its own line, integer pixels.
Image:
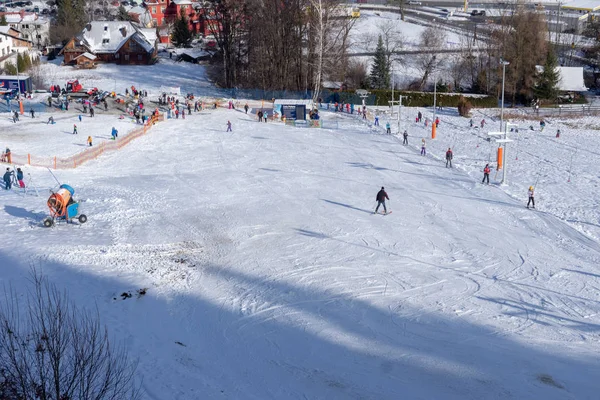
[{"x": 381, "y": 196}]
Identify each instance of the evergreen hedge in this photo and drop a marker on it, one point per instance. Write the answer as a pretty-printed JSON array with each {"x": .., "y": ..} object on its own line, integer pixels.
[{"x": 381, "y": 97}]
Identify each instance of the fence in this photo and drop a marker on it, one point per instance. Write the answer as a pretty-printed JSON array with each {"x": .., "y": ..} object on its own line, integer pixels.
[
  {"x": 564, "y": 110},
  {"x": 86, "y": 155}
]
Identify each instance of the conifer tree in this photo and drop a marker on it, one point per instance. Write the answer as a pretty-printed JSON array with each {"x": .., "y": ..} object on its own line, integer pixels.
[
  {"x": 380, "y": 70},
  {"x": 123, "y": 15},
  {"x": 181, "y": 31},
  {"x": 21, "y": 63},
  {"x": 547, "y": 80},
  {"x": 3, "y": 21}
]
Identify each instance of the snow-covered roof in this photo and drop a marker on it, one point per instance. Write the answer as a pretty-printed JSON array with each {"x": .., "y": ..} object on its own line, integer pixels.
[
  {"x": 584, "y": 5},
  {"x": 87, "y": 55},
  {"x": 137, "y": 10},
  {"x": 149, "y": 34},
  {"x": 182, "y": 2},
  {"x": 109, "y": 36},
  {"x": 570, "y": 78}
]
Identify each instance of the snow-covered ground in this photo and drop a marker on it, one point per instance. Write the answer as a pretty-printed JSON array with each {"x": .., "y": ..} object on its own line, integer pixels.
[
  {"x": 191, "y": 78},
  {"x": 269, "y": 276}
]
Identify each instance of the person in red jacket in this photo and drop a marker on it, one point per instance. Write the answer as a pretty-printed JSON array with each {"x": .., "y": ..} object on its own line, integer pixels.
[
  {"x": 486, "y": 174},
  {"x": 381, "y": 196}
]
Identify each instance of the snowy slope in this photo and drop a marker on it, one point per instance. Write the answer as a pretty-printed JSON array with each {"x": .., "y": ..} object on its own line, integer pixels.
[{"x": 269, "y": 277}]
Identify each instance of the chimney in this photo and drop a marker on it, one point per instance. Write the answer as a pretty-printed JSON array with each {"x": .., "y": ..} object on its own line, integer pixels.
[
  {"x": 88, "y": 27},
  {"x": 123, "y": 31}
]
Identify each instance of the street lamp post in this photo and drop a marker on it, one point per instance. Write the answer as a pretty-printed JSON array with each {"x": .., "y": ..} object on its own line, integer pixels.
[{"x": 504, "y": 64}]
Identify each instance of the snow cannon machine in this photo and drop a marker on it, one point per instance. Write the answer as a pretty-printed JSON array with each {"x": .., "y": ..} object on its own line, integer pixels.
[{"x": 63, "y": 206}]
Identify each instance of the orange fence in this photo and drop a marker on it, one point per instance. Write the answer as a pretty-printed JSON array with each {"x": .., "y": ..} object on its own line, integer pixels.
[{"x": 86, "y": 155}]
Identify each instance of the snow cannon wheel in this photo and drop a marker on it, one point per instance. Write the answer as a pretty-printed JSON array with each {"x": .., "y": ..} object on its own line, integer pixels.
[
  {"x": 82, "y": 219},
  {"x": 48, "y": 222}
]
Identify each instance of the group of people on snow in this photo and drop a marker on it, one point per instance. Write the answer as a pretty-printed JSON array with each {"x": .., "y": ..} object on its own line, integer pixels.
[{"x": 10, "y": 178}]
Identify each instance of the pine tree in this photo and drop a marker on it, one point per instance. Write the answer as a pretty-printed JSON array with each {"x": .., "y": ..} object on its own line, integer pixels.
[
  {"x": 3, "y": 21},
  {"x": 380, "y": 70},
  {"x": 123, "y": 15},
  {"x": 547, "y": 80},
  {"x": 181, "y": 32},
  {"x": 21, "y": 63}
]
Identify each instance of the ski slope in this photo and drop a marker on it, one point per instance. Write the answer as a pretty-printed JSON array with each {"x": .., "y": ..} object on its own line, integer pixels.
[{"x": 269, "y": 277}]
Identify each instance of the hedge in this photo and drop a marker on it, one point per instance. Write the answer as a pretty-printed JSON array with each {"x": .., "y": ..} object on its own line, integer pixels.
[{"x": 413, "y": 99}]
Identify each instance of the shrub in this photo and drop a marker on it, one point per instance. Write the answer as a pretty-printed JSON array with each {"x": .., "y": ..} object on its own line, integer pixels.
[{"x": 464, "y": 106}]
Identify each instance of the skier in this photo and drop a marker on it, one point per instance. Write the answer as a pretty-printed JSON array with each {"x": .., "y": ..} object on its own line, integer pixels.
[
  {"x": 557, "y": 133},
  {"x": 229, "y": 126},
  {"x": 91, "y": 112},
  {"x": 437, "y": 122},
  {"x": 405, "y": 136},
  {"x": 32, "y": 113},
  {"x": 89, "y": 141},
  {"x": 471, "y": 123},
  {"x": 482, "y": 123},
  {"x": 486, "y": 174},
  {"x": 50, "y": 120},
  {"x": 381, "y": 196},
  {"x": 377, "y": 120},
  {"x": 266, "y": 116},
  {"x": 114, "y": 133},
  {"x": 177, "y": 113},
  {"x": 449, "y": 156},
  {"x": 423, "y": 147},
  {"x": 531, "y": 200},
  {"x": 183, "y": 113},
  {"x": 419, "y": 116},
  {"x": 7, "y": 179},
  {"x": 74, "y": 129},
  {"x": 246, "y": 108},
  {"x": 542, "y": 125},
  {"x": 15, "y": 117},
  {"x": 20, "y": 178},
  {"x": 260, "y": 115},
  {"x": 79, "y": 117},
  {"x": 388, "y": 128}
]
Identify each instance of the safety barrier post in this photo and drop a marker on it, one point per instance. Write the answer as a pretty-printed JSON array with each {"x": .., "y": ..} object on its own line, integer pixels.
[
  {"x": 433, "y": 130},
  {"x": 29, "y": 159},
  {"x": 54, "y": 162}
]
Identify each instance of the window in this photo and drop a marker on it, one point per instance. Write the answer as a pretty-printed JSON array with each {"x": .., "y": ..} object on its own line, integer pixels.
[
  {"x": 162, "y": 10},
  {"x": 105, "y": 28},
  {"x": 39, "y": 36},
  {"x": 126, "y": 57},
  {"x": 105, "y": 41},
  {"x": 153, "y": 10},
  {"x": 139, "y": 57},
  {"x": 2, "y": 52},
  {"x": 117, "y": 56}
]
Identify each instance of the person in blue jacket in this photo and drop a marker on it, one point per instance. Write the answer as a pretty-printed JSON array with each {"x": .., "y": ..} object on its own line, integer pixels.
[
  {"x": 114, "y": 133},
  {"x": 7, "y": 179}
]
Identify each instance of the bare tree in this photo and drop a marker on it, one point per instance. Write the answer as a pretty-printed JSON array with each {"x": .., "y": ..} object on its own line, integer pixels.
[
  {"x": 432, "y": 39},
  {"x": 51, "y": 350}
]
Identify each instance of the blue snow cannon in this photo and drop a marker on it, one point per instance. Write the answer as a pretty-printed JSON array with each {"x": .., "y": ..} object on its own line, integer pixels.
[{"x": 63, "y": 206}]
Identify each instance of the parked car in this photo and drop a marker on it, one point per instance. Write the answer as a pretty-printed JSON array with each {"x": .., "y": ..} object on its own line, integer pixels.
[
  {"x": 2, "y": 9},
  {"x": 125, "y": 2},
  {"x": 36, "y": 9},
  {"x": 28, "y": 3},
  {"x": 475, "y": 13},
  {"x": 414, "y": 3},
  {"x": 45, "y": 11}
]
